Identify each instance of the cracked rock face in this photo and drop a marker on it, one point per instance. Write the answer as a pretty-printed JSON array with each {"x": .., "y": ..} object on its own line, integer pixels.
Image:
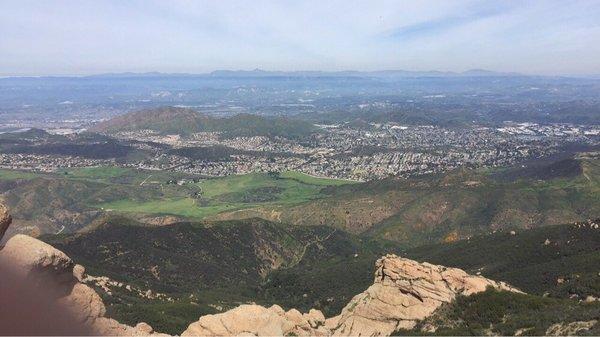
[{"x": 404, "y": 292}]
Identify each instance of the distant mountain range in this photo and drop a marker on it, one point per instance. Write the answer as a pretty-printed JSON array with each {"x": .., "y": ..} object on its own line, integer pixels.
[{"x": 344, "y": 73}]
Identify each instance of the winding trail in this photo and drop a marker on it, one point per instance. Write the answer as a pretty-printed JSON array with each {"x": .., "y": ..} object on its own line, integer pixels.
[
  {"x": 305, "y": 248},
  {"x": 143, "y": 182}
]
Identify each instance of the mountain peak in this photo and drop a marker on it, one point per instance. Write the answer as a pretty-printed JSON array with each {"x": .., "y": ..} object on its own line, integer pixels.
[{"x": 185, "y": 121}]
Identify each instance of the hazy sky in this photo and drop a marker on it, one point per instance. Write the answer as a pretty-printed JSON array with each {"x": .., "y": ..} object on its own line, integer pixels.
[{"x": 83, "y": 37}]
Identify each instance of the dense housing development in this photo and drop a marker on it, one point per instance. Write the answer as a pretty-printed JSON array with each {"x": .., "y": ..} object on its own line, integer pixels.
[{"x": 341, "y": 151}]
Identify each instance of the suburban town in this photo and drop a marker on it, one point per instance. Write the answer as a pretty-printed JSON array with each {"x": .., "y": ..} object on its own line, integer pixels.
[{"x": 342, "y": 151}]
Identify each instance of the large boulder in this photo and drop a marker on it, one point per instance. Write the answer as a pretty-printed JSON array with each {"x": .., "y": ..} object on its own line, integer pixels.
[
  {"x": 41, "y": 293},
  {"x": 255, "y": 320},
  {"x": 404, "y": 292},
  {"x": 5, "y": 220}
]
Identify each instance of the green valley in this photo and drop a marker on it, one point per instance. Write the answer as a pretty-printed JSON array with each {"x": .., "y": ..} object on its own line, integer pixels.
[{"x": 141, "y": 193}]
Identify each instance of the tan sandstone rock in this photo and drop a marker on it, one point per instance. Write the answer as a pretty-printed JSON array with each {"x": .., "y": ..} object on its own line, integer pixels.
[
  {"x": 403, "y": 293},
  {"x": 29, "y": 255},
  {"x": 570, "y": 329},
  {"x": 41, "y": 284},
  {"x": 255, "y": 320},
  {"x": 5, "y": 220},
  {"x": 79, "y": 272}
]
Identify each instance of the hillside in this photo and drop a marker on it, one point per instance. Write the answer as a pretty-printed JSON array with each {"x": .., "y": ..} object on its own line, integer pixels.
[
  {"x": 184, "y": 121},
  {"x": 452, "y": 206},
  {"x": 525, "y": 261},
  {"x": 192, "y": 256},
  {"x": 209, "y": 267},
  {"x": 85, "y": 145},
  {"x": 212, "y": 264},
  {"x": 411, "y": 212},
  {"x": 69, "y": 200},
  {"x": 560, "y": 261},
  {"x": 500, "y": 313},
  {"x": 44, "y": 285}
]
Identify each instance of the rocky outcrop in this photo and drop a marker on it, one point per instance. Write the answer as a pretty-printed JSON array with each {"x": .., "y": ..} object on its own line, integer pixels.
[
  {"x": 255, "y": 320},
  {"x": 43, "y": 277},
  {"x": 41, "y": 284},
  {"x": 41, "y": 293},
  {"x": 5, "y": 220},
  {"x": 404, "y": 292},
  {"x": 570, "y": 329}
]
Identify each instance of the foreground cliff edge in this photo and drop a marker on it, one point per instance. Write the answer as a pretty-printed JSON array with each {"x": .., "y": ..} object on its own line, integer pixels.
[{"x": 44, "y": 294}]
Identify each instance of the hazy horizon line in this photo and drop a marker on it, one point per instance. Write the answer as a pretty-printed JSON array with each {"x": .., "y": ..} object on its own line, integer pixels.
[{"x": 482, "y": 73}]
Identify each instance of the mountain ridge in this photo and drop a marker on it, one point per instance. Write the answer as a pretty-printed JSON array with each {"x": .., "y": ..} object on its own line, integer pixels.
[
  {"x": 451, "y": 206},
  {"x": 185, "y": 121},
  {"x": 315, "y": 73}
]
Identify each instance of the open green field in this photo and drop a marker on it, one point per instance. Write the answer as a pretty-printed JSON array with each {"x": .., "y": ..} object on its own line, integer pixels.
[
  {"x": 14, "y": 174},
  {"x": 144, "y": 192},
  {"x": 122, "y": 175},
  {"x": 200, "y": 197},
  {"x": 288, "y": 187}
]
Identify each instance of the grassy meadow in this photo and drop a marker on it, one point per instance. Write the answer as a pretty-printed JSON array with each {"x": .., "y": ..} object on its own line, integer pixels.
[
  {"x": 173, "y": 193},
  {"x": 211, "y": 196}
]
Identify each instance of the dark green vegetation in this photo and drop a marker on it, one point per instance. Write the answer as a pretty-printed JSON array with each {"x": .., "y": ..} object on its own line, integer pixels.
[
  {"x": 85, "y": 145},
  {"x": 192, "y": 256},
  {"x": 220, "y": 264},
  {"x": 504, "y": 314},
  {"x": 324, "y": 284},
  {"x": 456, "y": 205},
  {"x": 171, "y": 120},
  {"x": 562, "y": 261},
  {"x": 210, "y": 266},
  {"x": 564, "y": 168},
  {"x": 566, "y": 267}
]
